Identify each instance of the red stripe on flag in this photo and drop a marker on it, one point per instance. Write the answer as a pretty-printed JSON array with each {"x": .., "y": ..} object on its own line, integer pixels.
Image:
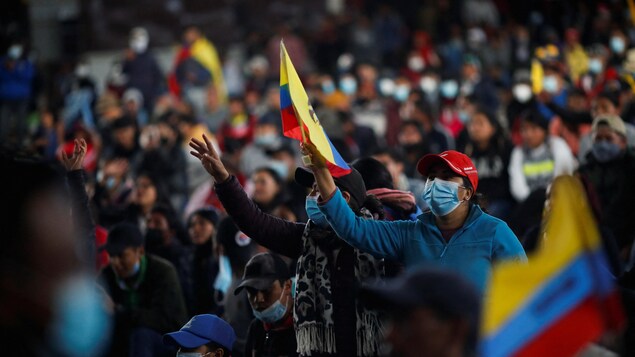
[
  {"x": 569, "y": 334},
  {"x": 290, "y": 126}
]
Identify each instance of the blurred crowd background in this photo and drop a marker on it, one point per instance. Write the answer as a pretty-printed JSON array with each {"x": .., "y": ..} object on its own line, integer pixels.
[{"x": 506, "y": 82}]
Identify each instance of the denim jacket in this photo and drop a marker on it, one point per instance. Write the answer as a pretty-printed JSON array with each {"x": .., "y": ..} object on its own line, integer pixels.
[{"x": 481, "y": 241}]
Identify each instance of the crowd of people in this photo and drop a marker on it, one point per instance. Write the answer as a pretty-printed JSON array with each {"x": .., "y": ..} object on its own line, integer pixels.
[{"x": 189, "y": 203}]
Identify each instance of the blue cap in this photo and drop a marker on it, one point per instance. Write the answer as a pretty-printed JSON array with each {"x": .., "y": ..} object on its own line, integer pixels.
[{"x": 201, "y": 330}]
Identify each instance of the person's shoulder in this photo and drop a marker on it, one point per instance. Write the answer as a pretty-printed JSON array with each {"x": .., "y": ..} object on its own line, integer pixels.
[{"x": 158, "y": 265}]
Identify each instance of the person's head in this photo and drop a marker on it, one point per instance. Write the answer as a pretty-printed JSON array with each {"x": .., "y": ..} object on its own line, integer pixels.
[
  {"x": 202, "y": 225},
  {"x": 452, "y": 181},
  {"x": 132, "y": 101},
  {"x": 442, "y": 321},
  {"x": 139, "y": 39},
  {"x": 267, "y": 131},
  {"x": 552, "y": 80},
  {"x": 146, "y": 191},
  {"x": 191, "y": 34},
  {"x": 125, "y": 247},
  {"x": 163, "y": 226},
  {"x": 236, "y": 106},
  {"x": 268, "y": 284},
  {"x": 124, "y": 132},
  {"x": 597, "y": 58},
  {"x": 482, "y": 127},
  {"x": 471, "y": 66},
  {"x": 267, "y": 185},
  {"x": 577, "y": 100},
  {"x": 606, "y": 103},
  {"x": 393, "y": 161},
  {"x": 46, "y": 290},
  {"x": 618, "y": 42},
  {"x": 374, "y": 173},
  {"x": 351, "y": 185},
  {"x": 533, "y": 129},
  {"x": 411, "y": 133},
  {"x": 204, "y": 335},
  {"x": 609, "y": 138},
  {"x": 284, "y": 154},
  {"x": 47, "y": 118},
  {"x": 352, "y": 188}
]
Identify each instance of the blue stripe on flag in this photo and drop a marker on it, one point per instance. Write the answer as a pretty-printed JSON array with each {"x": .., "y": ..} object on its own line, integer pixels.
[
  {"x": 285, "y": 96},
  {"x": 339, "y": 161},
  {"x": 556, "y": 298}
]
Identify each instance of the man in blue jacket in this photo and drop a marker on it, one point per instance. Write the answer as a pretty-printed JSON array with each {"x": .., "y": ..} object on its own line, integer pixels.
[
  {"x": 455, "y": 233},
  {"x": 16, "y": 76}
]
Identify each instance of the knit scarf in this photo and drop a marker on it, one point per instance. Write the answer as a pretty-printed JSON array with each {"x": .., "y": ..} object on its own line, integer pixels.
[{"x": 313, "y": 308}]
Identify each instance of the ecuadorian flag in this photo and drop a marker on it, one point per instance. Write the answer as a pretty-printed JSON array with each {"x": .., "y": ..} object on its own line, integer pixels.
[
  {"x": 564, "y": 297},
  {"x": 299, "y": 120}
]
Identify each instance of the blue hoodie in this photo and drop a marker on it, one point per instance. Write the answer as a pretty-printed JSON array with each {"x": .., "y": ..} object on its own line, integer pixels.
[
  {"x": 16, "y": 84},
  {"x": 482, "y": 240}
]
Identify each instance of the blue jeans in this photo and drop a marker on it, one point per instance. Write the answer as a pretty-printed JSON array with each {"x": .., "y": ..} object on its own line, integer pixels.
[{"x": 145, "y": 342}]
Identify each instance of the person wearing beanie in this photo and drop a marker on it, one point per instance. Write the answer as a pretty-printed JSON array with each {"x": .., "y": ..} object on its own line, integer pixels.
[{"x": 609, "y": 169}]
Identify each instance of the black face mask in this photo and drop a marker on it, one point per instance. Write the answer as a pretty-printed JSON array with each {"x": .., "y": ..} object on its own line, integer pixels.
[{"x": 154, "y": 239}]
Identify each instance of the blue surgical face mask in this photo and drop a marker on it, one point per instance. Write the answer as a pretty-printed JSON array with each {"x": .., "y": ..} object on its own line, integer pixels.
[
  {"x": 273, "y": 313},
  {"x": 80, "y": 323},
  {"x": 401, "y": 93},
  {"x": 348, "y": 85},
  {"x": 441, "y": 196},
  {"x": 224, "y": 276},
  {"x": 595, "y": 66},
  {"x": 136, "y": 268},
  {"x": 328, "y": 87},
  {"x": 449, "y": 89},
  {"x": 314, "y": 213},
  {"x": 617, "y": 44},
  {"x": 550, "y": 84},
  {"x": 266, "y": 140},
  {"x": 605, "y": 151},
  {"x": 464, "y": 116}
]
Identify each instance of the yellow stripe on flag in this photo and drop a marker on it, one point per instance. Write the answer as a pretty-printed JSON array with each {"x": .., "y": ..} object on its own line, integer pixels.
[{"x": 569, "y": 231}]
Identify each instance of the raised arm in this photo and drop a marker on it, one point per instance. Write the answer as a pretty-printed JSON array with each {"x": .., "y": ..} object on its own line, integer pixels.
[
  {"x": 80, "y": 201},
  {"x": 279, "y": 235},
  {"x": 380, "y": 238}
]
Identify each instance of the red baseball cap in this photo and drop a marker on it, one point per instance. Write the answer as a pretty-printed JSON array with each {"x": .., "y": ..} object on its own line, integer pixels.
[{"x": 456, "y": 161}]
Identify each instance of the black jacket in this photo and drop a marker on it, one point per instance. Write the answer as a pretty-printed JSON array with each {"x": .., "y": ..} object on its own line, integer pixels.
[
  {"x": 285, "y": 238},
  {"x": 270, "y": 343}
]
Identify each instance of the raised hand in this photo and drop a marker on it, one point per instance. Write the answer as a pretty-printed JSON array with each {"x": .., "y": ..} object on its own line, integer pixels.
[
  {"x": 310, "y": 151},
  {"x": 204, "y": 151},
  {"x": 76, "y": 160}
]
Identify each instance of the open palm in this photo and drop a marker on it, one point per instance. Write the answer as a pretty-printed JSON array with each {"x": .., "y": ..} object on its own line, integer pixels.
[{"x": 204, "y": 151}]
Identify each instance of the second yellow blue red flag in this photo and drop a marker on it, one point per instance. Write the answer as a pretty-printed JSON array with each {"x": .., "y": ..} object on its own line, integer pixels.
[{"x": 564, "y": 297}]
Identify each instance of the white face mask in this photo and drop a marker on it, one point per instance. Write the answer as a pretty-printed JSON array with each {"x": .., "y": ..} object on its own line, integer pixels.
[
  {"x": 429, "y": 85},
  {"x": 522, "y": 92},
  {"x": 15, "y": 52},
  {"x": 416, "y": 64},
  {"x": 386, "y": 87},
  {"x": 550, "y": 84},
  {"x": 139, "y": 44}
]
